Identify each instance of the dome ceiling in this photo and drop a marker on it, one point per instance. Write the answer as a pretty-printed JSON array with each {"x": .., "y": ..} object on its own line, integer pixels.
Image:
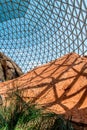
[{"x": 34, "y": 32}]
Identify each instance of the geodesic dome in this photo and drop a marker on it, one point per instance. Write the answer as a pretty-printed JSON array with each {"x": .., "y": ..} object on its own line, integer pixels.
[{"x": 34, "y": 32}]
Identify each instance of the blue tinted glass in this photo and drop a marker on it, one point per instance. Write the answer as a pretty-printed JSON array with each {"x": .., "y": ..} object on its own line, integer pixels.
[{"x": 10, "y": 9}]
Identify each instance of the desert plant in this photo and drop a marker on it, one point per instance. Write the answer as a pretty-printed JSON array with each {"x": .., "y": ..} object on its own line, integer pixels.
[
  {"x": 25, "y": 116},
  {"x": 61, "y": 124}
]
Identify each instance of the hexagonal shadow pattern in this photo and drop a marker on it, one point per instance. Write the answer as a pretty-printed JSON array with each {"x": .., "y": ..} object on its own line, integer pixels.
[{"x": 34, "y": 32}]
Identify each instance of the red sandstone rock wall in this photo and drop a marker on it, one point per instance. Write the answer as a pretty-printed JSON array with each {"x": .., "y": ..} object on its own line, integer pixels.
[{"x": 60, "y": 86}]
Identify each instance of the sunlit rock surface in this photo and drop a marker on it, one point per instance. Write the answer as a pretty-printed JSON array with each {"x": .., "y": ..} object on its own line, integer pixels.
[
  {"x": 8, "y": 69},
  {"x": 59, "y": 86}
]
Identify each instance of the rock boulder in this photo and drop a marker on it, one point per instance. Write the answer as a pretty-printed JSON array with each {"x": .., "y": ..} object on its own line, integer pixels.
[
  {"x": 8, "y": 69},
  {"x": 59, "y": 86}
]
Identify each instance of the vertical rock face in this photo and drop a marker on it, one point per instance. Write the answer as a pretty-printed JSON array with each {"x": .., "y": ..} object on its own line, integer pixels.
[
  {"x": 8, "y": 69},
  {"x": 59, "y": 86}
]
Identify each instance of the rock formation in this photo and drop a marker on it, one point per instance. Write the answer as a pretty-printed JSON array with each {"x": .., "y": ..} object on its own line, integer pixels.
[
  {"x": 8, "y": 69},
  {"x": 59, "y": 86}
]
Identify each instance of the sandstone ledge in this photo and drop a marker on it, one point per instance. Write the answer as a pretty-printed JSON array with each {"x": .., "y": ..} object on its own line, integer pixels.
[{"x": 60, "y": 86}]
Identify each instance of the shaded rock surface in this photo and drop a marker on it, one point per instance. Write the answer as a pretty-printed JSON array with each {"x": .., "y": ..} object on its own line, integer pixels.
[
  {"x": 59, "y": 86},
  {"x": 8, "y": 69}
]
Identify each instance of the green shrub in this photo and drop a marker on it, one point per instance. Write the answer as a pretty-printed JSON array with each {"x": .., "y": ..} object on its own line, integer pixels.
[{"x": 23, "y": 116}]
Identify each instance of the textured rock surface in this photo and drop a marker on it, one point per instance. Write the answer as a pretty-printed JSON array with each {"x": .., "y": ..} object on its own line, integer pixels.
[
  {"x": 60, "y": 86},
  {"x": 8, "y": 69}
]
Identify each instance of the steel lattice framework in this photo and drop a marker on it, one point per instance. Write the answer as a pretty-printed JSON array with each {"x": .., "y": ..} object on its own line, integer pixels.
[{"x": 34, "y": 32}]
